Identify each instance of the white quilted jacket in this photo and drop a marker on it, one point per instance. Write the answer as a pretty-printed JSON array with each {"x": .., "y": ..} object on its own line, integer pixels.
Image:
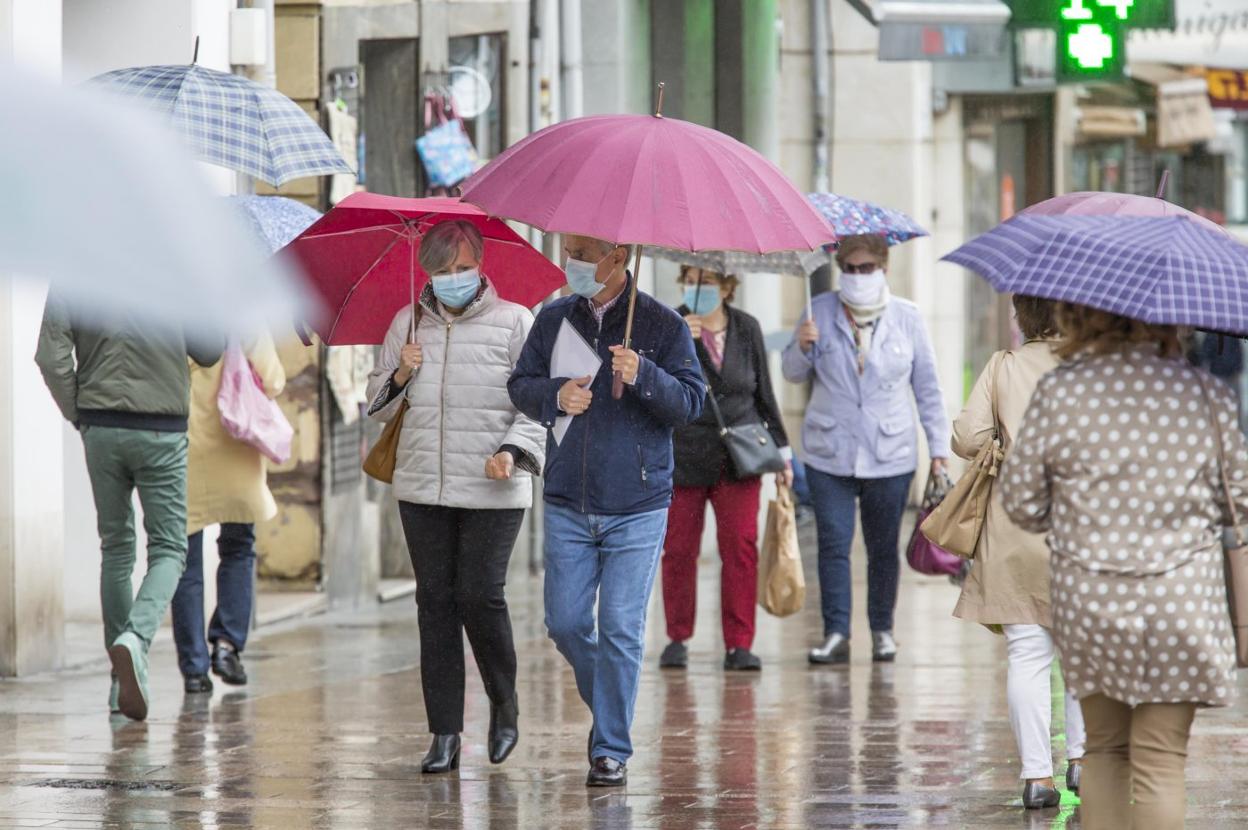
[{"x": 459, "y": 410}]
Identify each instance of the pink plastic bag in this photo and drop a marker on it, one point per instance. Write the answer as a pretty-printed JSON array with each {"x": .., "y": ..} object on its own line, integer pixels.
[{"x": 247, "y": 413}]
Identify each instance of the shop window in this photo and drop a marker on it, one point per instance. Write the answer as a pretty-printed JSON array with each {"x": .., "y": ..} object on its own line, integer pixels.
[
  {"x": 477, "y": 81},
  {"x": 1237, "y": 176}
]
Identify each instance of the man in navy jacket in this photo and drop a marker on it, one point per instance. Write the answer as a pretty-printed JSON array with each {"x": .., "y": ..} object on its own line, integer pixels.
[{"x": 608, "y": 483}]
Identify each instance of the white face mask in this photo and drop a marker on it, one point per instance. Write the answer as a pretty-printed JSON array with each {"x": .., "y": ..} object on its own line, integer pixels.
[{"x": 862, "y": 289}]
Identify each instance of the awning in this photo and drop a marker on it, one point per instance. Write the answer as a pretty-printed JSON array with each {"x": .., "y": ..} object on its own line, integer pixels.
[
  {"x": 1184, "y": 115},
  {"x": 934, "y": 30},
  {"x": 1102, "y": 122}
]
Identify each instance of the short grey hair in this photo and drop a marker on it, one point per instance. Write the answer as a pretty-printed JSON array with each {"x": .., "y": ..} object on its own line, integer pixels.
[{"x": 441, "y": 245}]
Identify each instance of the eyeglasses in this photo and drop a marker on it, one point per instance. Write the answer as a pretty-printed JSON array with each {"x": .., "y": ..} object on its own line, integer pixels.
[{"x": 861, "y": 268}]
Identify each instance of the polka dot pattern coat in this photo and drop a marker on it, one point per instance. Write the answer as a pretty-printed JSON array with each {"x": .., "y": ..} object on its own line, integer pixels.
[{"x": 1117, "y": 461}]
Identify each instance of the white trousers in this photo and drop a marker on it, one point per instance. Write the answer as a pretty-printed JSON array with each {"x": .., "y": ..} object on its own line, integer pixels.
[{"x": 1031, "y": 655}]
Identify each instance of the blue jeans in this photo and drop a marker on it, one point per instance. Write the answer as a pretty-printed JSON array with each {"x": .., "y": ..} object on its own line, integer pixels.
[
  {"x": 882, "y": 503},
  {"x": 611, "y": 559},
  {"x": 235, "y": 594}
]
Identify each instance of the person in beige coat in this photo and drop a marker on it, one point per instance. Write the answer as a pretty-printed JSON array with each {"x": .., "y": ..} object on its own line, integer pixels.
[
  {"x": 1118, "y": 461},
  {"x": 1008, "y": 585},
  {"x": 463, "y": 477},
  {"x": 226, "y": 484}
]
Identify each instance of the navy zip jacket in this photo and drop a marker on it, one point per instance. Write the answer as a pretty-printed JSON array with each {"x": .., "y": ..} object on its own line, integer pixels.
[{"x": 616, "y": 457}]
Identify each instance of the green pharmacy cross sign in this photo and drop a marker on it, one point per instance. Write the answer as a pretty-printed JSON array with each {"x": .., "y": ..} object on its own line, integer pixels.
[{"x": 1092, "y": 34}]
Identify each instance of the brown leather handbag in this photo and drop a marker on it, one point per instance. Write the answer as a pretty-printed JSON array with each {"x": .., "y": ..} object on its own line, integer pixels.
[
  {"x": 381, "y": 459},
  {"x": 957, "y": 521},
  {"x": 1234, "y": 548}
]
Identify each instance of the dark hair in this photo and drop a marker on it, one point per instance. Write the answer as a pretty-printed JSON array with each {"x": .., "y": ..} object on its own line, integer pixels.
[
  {"x": 728, "y": 281},
  {"x": 873, "y": 243},
  {"x": 1092, "y": 331},
  {"x": 1037, "y": 317}
]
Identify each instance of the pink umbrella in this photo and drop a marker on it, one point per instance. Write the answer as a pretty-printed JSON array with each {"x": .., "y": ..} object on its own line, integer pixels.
[
  {"x": 649, "y": 180},
  {"x": 361, "y": 258},
  {"x": 1093, "y": 203}
]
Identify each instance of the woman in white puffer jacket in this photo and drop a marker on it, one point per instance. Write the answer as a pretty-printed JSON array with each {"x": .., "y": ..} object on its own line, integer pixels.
[{"x": 463, "y": 477}]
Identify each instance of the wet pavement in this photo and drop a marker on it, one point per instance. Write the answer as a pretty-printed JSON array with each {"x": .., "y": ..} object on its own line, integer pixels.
[{"x": 330, "y": 733}]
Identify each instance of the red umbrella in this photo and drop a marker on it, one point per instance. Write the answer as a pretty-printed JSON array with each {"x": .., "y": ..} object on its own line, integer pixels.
[{"x": 361, "y": 258}]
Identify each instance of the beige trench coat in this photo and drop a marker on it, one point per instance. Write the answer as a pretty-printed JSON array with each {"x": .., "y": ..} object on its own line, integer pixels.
[
  {"x": 226, "y": 480},
  {"x": 1009, "y": 579}
]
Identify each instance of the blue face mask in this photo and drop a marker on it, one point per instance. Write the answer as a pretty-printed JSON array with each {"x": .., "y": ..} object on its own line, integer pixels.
[
  {"x": 581, "y": 277},
  {"x": 701, "y": 300},
  {"x": 457, "y": 290}
]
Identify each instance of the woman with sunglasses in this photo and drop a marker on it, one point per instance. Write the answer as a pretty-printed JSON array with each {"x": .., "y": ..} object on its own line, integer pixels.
[{"x": 866, "y": 354}]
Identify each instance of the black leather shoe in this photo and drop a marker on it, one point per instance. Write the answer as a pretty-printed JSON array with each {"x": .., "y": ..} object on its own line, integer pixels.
[
  {"x": 504, "y": 730},
  {"x": 1036, "y": 796},
  {"x": 675, "y": 656},
  {"x": 227, "y": 665},
  {"x": 443, "y": 755},
  {"x": 742, "y": 659},
  {"x": 607, "y": 772},
  {"x": 1074, "y": 772},
  {"x": 198, "y": 684}
]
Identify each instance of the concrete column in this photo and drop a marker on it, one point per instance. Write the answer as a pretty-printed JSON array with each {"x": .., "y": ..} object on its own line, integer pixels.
[
  {"x": 434, "y": 31},
  {"x": 32, "y": 617}
]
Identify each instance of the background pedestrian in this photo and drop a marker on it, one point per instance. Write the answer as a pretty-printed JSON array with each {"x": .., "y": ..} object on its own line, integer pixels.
[
  {"x": 866, "y": 353},
  {"x": 729, "y": 344},
  {"x": 227, "y": 484},
  {"x": 1007, "y": 588}
]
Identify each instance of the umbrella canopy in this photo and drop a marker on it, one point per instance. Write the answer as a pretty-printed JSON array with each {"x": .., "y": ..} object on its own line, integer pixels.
[
  {"x": 852, "y": 217},
  {"x": 109, "y": 208},
  {"x": 800, "y": 263},
  {"x": 1167, "y": 270},
  {"x": 649, "y": 180},
  {"x": 361, "y": 258},
  {"x": 232, "y": 121},
  {"x": 1096, "y": 203},
  {"x": 275, "y": 220}
]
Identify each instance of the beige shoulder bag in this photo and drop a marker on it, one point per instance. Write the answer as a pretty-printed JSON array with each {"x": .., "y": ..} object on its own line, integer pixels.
[
  {"x": 382, "y": 458},
  {"x": 958, "y": 521},
  {"x": 1233, "y": 545}
]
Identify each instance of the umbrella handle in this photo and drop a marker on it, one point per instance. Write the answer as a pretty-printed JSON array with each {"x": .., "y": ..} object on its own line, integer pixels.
[{"x": 617, "y": 382}]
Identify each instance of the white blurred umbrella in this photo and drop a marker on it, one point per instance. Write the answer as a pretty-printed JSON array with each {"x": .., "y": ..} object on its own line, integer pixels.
[{"x": 100, "y": 200}]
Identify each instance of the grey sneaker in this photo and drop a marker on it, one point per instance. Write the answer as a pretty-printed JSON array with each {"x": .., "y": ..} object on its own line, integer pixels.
[
  {"x": 835, "y": 649},
  {"x": 883, "y": 646}
]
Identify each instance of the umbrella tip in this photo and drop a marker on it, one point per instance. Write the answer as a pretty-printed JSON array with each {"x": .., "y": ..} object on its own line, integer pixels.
[
  {"x": 195, "y": 56},
  {"x": 1165, "y": 179},
  {"x": 658, "y": 107}
]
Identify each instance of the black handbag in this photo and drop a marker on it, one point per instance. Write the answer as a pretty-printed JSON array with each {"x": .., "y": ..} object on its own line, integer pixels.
[{"x": 750, "y": 446}]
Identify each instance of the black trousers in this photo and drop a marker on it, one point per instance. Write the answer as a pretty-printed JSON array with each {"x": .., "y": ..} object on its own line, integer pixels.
[{"x": 460, "y": 557}]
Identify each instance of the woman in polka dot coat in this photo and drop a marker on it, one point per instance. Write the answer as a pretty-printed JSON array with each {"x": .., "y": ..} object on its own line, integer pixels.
[{"x": 1117, "y": 461}]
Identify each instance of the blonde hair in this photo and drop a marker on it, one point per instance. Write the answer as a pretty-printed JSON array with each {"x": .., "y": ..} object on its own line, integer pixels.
[
  {"x": 1092, "y": 331},
  {"x": 440, "y": 246},
  {"x": 729, "y": 282}
]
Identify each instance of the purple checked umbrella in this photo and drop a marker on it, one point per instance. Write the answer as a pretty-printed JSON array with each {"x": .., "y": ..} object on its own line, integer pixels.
[{"x": 1168, "y": 270}]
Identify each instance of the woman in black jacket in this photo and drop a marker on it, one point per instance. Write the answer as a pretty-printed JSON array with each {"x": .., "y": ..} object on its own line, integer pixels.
[{"x": 730, "y": 347}]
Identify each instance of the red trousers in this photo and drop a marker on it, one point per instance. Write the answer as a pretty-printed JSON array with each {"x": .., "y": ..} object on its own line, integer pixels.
[{"x": 736, "y": 522}]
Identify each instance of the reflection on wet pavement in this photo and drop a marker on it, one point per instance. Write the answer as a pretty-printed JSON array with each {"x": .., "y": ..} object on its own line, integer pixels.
[{"x": 331, "y": 731}]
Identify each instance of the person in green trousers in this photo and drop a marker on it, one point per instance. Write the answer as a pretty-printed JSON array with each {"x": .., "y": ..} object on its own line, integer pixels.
[{"x": 125, "y": 384}]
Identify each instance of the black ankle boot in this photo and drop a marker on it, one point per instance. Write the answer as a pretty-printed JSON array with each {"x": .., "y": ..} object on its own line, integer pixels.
[
  {"x": 504, "y": 730},
  {"x": 443, "y": 755}
]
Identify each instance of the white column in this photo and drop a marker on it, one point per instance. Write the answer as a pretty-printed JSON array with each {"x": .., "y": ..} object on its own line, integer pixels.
[{"x": 32, "y": 620}]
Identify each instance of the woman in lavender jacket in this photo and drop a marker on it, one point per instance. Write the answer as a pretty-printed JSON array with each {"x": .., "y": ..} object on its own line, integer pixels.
[{"x": 866, "y": 353}]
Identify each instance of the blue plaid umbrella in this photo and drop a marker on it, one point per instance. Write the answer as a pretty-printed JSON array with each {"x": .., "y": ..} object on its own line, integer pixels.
[
  {"x": 276, "y": 220},
  {"x": 1167, "y": 270},
  {"x": 233, "y": 121},
  {"x": 850, "y": 217}
]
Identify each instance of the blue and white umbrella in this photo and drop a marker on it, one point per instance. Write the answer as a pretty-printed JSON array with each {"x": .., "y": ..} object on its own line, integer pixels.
[
  {"x": 1165, "y": 270},
  {"x": 276, "y": 220},
  {"x": 232, "y": 121}
]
